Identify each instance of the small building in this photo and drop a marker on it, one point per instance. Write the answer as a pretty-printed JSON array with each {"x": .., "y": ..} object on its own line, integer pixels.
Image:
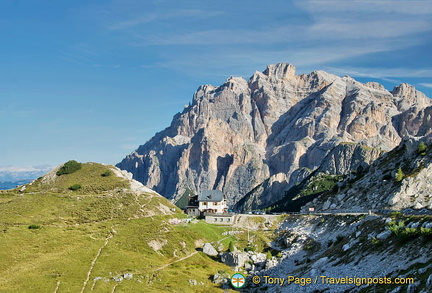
[
  {"x": 192, "y": 207},
  {"x": 220, "y": 219},
  {"x": 212, "y": 201},
  {"x": 189, "y": 204}
]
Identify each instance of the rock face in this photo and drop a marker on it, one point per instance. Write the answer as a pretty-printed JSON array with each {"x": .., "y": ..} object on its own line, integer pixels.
[
  {"x": 263, "y": 133},
  {"x": 347, "y": 246},
  {"x": 378, "y": 186}
]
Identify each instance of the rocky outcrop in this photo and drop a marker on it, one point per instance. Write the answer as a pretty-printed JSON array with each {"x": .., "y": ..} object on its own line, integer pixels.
[
  {"x": 261, "y": 133},
  {"x": 348, "y": 247},
  {"x": 342, "y": 159},
  {"x": 379, "y": 186}
]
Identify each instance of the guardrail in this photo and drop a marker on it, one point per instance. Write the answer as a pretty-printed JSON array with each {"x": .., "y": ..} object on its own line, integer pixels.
[{"x": 356, "y": 212}]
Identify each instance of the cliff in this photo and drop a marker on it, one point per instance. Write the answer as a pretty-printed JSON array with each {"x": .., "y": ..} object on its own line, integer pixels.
[{"x": 262, "y": 133}]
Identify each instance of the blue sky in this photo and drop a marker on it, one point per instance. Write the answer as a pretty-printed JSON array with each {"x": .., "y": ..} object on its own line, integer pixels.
[{"x": 92, "y": 80}]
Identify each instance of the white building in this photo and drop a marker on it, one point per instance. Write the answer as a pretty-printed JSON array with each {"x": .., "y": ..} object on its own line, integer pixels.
[{"x": 212, "y": 201}]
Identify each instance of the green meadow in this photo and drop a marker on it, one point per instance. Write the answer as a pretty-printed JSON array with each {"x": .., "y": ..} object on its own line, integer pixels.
[{"x": 101, "y": 237}]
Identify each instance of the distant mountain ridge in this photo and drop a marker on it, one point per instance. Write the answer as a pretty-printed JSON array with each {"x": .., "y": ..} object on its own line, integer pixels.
[
  {"x": 12, "y": 184},
  {"x": 274, "y": 129},
  {"x": 12, "y": 174}
]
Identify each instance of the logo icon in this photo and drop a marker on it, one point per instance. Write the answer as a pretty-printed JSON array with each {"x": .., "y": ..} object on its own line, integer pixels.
[{"x": 238, "y": 280}]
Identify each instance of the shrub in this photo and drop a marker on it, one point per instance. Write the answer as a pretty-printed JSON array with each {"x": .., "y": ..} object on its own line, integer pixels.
[
  {"x": 399, "y": 175},
  {"x": 395, "y": 214},
  {"x": 231, "y": 247},
  {"x": 33, "y": 227},
  {"x": 250, "y": 247},
  {"x": 376, "y": 241},
  {"x": 75, "y": 187},
  {"x": 106, "y": 173},
  {"x": 396, "y": 227},
  {"x": 426, "y": 233},
  {"x": 269, "y": 255},
  {"x": 69, "y": 167},
  {"x": 422, "y": 149}
]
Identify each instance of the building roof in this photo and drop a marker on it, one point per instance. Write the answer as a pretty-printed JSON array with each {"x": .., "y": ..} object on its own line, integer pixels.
[
  {"x": 182, "y": 202},
  {"x": 210, "y": 196}
]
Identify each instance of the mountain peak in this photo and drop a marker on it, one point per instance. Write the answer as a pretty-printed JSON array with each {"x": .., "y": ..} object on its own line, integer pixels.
[
  {"x": 280, "y": 70},
  {"x": 243, "y": 134}
]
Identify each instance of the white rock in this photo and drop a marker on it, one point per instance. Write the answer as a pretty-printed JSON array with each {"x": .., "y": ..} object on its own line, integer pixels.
[
  {"x": 209, "y": 249},
  {"x": 326, "y": 205},
  {"x": 384, "y": 235},
  {"x": 415, "y": 225},
  {"x": 346, "y": 247},
  {"x": 321, "y": 262}
]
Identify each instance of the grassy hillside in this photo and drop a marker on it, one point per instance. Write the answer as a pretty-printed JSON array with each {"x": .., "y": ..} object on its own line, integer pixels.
[{"x": 102, "y": 237}]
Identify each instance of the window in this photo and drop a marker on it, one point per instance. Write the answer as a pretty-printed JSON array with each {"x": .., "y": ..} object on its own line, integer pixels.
[{"x": 215, "y": 219}]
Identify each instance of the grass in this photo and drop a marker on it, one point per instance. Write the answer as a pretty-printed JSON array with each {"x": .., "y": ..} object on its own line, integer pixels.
[
  {"x": 89, "y": 177},
  {"x": 35, "y": 259},
  {"x": 319, "y": 184},
  {"x": 72, "y": 227}
]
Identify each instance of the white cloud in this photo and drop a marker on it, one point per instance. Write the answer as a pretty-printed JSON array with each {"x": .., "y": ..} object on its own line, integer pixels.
[
  {"x": 134, "y": 22},
  {"x": 240, "y": 61},
  {"x": 332, "y": 32},
  {"x": 426, "y": 84},
  {"x": 152, "y": 17},
  {"x": 16, "y": 169},
  {"x": 331, "y": 29},
  {"x": 381, "y": 73},
  {"x": 416, "y": 8}
]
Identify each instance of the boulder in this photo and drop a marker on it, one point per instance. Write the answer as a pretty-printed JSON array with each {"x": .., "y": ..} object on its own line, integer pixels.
[
  {"x": 209, "y": 249},
  {"x": 234, "y": 259}
]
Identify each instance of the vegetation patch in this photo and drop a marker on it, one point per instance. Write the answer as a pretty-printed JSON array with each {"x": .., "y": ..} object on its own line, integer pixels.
[
  {"x": 89, "y": 176},
  {"x": 404, "y": 234},
  {"x": 107, "y": 173},
  {"x": 421, "y": 150},
  {"x": 75, "y": 187},
  {"x": 319, "y": 184},
  {"x": 300, "y": 194},
  {"x": 69, "y": 167},
  {"x": 399, "y": 175}
]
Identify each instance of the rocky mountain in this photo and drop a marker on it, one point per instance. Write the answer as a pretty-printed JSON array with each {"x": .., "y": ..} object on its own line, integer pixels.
[
  {"x": 259, "y": 137},
  {"x": 399, "y": 179},
  {"x": 347, "y": 254}
]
